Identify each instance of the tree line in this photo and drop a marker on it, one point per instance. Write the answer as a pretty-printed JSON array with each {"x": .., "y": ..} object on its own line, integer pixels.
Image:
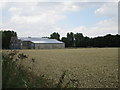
[
  {"x": 79, "y": 40},
  {"x": 71, "y": 39}
]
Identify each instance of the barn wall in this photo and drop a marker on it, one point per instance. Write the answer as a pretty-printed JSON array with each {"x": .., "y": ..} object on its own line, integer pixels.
[
  {"x": 19, "y": 44},
  {"x": 49, "y": 46},
  {"x": 27, "y": 45}
]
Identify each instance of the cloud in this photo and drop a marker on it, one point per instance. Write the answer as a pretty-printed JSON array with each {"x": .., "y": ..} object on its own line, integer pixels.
[
  {"x": 101, "y": 28},
  {"x": 49, "y": 13},
  {"x": 41, "y": 18},
  {"x": 60, "y": 0},
  {"x": 31, "y": 18},
  {"x": 14, "y": 9},
  {"x": 108, "y": 9},
  {"x": 2, "y": 4}
]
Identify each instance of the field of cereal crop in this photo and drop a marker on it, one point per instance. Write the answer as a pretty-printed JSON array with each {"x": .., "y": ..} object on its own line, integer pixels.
[{"x": 90, "y": 67}]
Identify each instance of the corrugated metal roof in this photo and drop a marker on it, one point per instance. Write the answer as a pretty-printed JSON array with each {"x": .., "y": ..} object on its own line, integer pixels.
[{"x": 39, "y": 40}]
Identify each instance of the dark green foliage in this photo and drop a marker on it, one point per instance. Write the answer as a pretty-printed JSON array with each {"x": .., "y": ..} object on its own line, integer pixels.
[
  {"x": 16, "y": 76},
  {"x": 78, "y": 40},
  {"x": 11, "y": 74},
  {"x": 6, "y": 37},
  {"x": 55, "y": 35},
  {"x": 106, "y": 41},
  {"x": 70, "y": 39},
  {"x": 65, "y": 40}
]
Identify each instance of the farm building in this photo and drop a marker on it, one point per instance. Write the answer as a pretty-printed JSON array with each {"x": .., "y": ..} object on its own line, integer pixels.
[{"x": 35, "y": 43}]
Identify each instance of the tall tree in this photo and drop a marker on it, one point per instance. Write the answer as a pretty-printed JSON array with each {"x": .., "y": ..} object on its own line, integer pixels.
[
  {"x": 55, "y": 35},
  {"x": 70, "y": 39},
  {"x": 6, "y": 37},
  {"x": 64, "y": 39},
  {"x": 79, "y": 38}
]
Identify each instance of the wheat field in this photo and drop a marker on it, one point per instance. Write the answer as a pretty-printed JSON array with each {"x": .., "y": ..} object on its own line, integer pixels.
[{"x": 88, "y": 67}]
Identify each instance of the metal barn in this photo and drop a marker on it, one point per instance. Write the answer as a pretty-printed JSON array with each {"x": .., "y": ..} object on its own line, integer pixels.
[{"x": 35, "y": 43}]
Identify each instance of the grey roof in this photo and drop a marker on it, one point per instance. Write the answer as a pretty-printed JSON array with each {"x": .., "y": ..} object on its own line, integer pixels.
[{"x": 39, "y": 40}]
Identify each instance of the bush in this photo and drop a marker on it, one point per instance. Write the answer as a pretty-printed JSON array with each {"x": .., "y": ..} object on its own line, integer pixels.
[{"x": 16, "y": 76}]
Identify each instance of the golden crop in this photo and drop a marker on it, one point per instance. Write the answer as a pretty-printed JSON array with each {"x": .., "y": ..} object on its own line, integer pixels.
[{"x": 89, "y": 67}]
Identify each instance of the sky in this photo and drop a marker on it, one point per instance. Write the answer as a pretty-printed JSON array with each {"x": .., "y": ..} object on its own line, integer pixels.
[{"x": 40, "y": 19}]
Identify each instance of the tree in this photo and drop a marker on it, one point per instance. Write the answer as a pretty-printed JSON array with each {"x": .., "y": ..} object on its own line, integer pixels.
[
  {"x": 6, "y": 37},
  {"x": 70, "y": 39},
  {"x": 64, "y": 39},
  {"x": 106, "y": 41},
  {"x": 55, "y": 35},
  {"x": 87, "y": 42},
  {"x": 79, "y": 38}
]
